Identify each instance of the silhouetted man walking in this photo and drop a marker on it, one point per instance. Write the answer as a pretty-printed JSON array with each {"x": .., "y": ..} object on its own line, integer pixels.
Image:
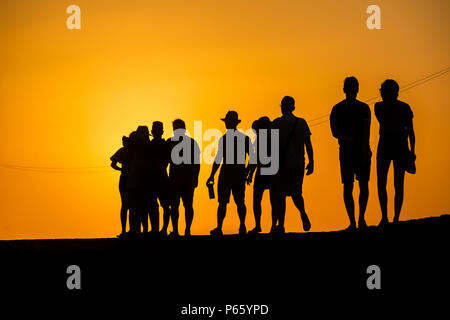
[
  {"x": 294, "y": 137},
  {"x": 396, "y": 127},
  {"x": 350, "y": 124},
  {"x": 183, "y": 176},
  {"x": 233, "y": 149}
]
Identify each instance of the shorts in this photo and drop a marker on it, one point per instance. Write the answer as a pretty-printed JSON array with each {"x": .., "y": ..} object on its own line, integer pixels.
[
  {"x": 288, "y": 181},
  {"x": 262, "y": 182},
  {"x": 392, "y": 148},
  {"x": 160, "y": 189},
  {"x": 229, "y": 183},
  {"x": 354, "y": 165},
  {"x": 182, "y": 192}
]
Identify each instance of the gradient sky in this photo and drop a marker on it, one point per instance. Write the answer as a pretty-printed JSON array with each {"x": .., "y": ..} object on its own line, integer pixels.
[{"x": 68, "y": 96}]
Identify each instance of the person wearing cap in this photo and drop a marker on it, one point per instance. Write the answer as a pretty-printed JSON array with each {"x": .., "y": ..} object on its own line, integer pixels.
[
  {"x": 183, "y": 176},
  {"x": 262, "y": 182},
  {"x": 122, "y": 156},
  {"x": 396, "y": 130},
  {"x": 159, "y": 155},
  {"x": 350, "y": 124},
  {"x": 231, "y": 157},
  {"x": 294, "y": 138}
]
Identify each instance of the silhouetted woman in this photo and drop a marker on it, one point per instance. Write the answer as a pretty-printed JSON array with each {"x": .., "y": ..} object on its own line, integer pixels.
[
  {"x": 396, "y": 128},
  {"x": 262, "y": 182},
  {"x": 122, "y": 156}
]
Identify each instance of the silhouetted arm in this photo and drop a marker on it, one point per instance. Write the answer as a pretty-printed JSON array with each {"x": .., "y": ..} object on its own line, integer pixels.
[
  {"x": 216, "y": 164},
  {"x": 309, "y": 151},
  {"x": 334, "y": 128},
  {"x": 115, "y": 166},
  {"x": 411, "y": 135}
]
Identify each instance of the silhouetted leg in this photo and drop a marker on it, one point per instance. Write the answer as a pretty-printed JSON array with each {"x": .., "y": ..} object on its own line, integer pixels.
[
  {"x": 349, "y": 203},
  {"x": 166, "y": 220},
  {"x": 188, "y": 212},
  {"x": 123, "y": 218},
  {"x": 221, "y": 212},
  {"x": 154, "y": 218},
  {"x": 363, "y": 199},
  {"x": 282, "y": 212},
  {"x": 275, "y": 204},
  {"x": 175, "y": 213},
  {"x": 382, "y": 173},
  {"x": 242, "y": 212},
  {"x": 399, "y": 182},
  {"x": 300, "y": 204},
  {"x": 257, "y": 198},
  {"x": 144, "y": 219}
]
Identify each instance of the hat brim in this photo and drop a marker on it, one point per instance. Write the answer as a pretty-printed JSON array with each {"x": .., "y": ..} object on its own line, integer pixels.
[{"x": 235, "y": 120}]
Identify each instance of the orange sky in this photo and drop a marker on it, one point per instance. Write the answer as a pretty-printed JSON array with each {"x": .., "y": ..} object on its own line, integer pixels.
[{"x": 67, "y": 97}]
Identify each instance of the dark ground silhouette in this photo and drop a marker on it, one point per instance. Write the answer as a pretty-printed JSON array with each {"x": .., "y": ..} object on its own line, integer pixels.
[{"x": 288, "y": 273}]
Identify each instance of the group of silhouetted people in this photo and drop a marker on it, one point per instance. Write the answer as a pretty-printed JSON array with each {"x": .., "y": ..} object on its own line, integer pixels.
[
  {"x": 157, "y": 172},
  {"x": 145, "y": 184}
]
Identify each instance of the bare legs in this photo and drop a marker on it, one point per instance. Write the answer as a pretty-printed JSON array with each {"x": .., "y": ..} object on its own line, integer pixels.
[
  {"x": 399, "y": 179},
  {"x": 350, "y": 204}
]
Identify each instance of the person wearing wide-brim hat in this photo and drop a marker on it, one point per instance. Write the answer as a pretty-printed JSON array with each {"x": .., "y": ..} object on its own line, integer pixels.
[
  {"x": 232, "y": 173},
  {"x": 231, "y": 118}
]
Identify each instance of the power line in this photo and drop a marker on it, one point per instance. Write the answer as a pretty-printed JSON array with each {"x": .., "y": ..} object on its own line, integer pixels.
[
  {"x": 102, "y": 169},
  {"x": 407, "y": 87}
]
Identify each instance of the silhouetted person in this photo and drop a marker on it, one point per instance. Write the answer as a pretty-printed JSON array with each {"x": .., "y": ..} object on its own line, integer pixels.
[
  {"x": 183, "y": 176},
  {"x": 234, "y": 146},
  {"x": 262, "y": 182},
  {"x": 294, "y": 137},
  {"x": 160, "y": 155},
  {"x": 148, "y": 197},
  {"x": 396, "y": 127},
  {"x": 137, "y": 182},
  {"x": 122, "y": 156},
  {"x": 350, "y": 124}
]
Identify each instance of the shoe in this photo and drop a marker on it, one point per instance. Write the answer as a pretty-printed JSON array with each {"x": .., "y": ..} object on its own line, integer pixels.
[
  {"x": 279, "y": 230},
  {"x": 362, "y": 224},
  {"x": 273, "y": 229},
  {"x": 242, "y": 231},
  {"x": 306, "y": 222},
  {"x": 163, "y": 233},
  {"x": 351, "y": 227},
  {"x": 174, "y": 234},
  {"x": 216, "y": 232},
  {"x": 383, "y": 223},
  {"x": 255, "y": 231},
  {"x": 187, "y": 233}
]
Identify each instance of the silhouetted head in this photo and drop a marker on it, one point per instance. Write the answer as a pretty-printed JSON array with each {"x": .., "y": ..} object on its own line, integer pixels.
[
  {"x": 287, "y": 105},
  {"x": 264, "y": 122},
  {"x": 157, "y": 129},
  {"x": 231, "y": 120},
  {"x": 125, "y": 141},
  {"x": 143, "y": 133},
  {"x": 261, "y": 123},
  {"x": 178, "y": 124},
  {"x": 351, "y": 87},
  {"x": 389, "y": 90}
]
